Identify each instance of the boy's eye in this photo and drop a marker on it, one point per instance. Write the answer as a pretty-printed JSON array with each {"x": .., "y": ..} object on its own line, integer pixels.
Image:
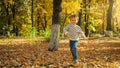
[{"x": 73, "y": 20}]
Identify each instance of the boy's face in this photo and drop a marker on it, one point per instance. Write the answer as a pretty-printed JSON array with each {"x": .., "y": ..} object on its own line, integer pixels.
[{"x": 74, "y": 20}]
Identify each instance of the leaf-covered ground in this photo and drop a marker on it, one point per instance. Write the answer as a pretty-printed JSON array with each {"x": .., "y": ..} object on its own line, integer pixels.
[{"x": 23, "y": 53}]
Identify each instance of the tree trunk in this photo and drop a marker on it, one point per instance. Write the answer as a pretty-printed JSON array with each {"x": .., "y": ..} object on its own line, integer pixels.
[
  {"x": 15, "y": 28},
  {"x": 7, "y": 7},
  {"x": 53, "y": 45},
  {"x": 85, "y": 17},
  {"x": 38, "y": 23},
  {"x": 109, "y": 16},
  {"x": 32, "y": 11},
  {"x": 45, "y": 21},
  {"x": 117, "y": 25},
  {"x": 109, "y": 28},
  {"x": 80, "y": 17},
  {"x": 44, "y": 24},
  {"x": 55, "y": 31},
  {"x": 45, "y": 18}
]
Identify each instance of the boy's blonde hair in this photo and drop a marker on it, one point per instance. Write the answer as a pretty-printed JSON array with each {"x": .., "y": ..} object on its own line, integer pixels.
[{"x": 73, "y": 16}]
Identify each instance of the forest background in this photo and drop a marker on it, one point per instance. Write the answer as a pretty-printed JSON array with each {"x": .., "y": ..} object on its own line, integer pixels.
[
  {"x": 32, "y": 18},
  {"x": 31, "y": 33}
]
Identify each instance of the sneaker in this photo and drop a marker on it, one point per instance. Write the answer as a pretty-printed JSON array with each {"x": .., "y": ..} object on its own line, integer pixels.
[{"x": 76, "y": 61}]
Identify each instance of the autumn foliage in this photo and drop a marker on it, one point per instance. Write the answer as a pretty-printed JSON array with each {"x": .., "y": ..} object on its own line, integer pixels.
[{"x": 26, "y": 53}]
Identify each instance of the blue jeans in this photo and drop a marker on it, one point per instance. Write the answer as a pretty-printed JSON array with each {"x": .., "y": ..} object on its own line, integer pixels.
[{"x": 73, "y": 49}]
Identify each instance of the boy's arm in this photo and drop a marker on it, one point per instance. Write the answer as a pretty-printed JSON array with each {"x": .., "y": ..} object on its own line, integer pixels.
[
  {"x": 82, "y": 33},
  {"x": 83, "y": 36},
  {"x": 65, "y": 30}
]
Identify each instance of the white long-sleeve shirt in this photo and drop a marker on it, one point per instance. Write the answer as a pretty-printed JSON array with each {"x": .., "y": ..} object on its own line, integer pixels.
[{"x": 74, "y": 31}]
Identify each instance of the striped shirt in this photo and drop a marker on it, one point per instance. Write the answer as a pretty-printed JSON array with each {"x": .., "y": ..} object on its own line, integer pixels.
[{"x": 74, "y": 31}]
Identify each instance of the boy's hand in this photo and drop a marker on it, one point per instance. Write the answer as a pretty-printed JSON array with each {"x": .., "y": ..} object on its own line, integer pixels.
[
  {"x": 68, "y": 34},
  {"x": 79, "y": 32}
]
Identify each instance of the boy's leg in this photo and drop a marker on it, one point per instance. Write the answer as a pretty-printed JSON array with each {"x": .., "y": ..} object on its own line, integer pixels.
[{"x": 73, "y": 49}]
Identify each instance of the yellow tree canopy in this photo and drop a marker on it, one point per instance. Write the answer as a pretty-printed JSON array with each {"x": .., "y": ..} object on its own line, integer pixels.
[{"x": 71, "y": 7}]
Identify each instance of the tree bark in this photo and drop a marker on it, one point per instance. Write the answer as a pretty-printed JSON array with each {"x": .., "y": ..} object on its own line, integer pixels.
[
  {"x": 38, "y": 22},
  {"x": 15, "y": 28},
  {"x": 7, "y": 7},
  {"x": 32, "y": 11},
  {"x": 117, "y": 25},
  {"x": 109, "y": 16},
  {"x": 80, "y": 17},
  {"x": 86, "y": 17},
  {"x": 53, "y": 45},
  {"x": 109, "y": 29},
  {"x": 45, "y": 21},
  {"x": 55, "y": 31}
]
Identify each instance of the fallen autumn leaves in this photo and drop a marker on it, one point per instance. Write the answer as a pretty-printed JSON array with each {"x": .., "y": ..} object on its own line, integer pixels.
[{"x": 34, "y": 54}]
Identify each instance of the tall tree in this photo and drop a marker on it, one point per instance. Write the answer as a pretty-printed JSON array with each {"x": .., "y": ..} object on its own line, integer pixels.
[
  {"x": 85, "y": 17},
  {"x": 32, "y": 11},
  {"x": 80, "y": 17},
  {"x": 109, "y": 29},
  {"x": 109, "y": 16},
  {"x": 7, "y": 8},
  {"x": 15, "y": 28},
  {"x": 53, "y": 45}
]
